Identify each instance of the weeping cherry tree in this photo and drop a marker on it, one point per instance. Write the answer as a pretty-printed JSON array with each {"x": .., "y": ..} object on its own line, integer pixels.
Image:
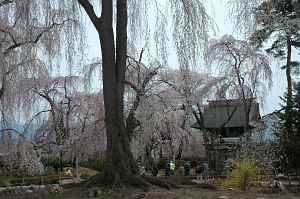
[
  {"x": 190, "y": 22},
  {"x": 247, "y": 71}
]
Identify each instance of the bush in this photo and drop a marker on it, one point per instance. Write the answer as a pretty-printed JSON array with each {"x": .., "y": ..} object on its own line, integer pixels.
[
  {"x": 49, "y": 161},
  {"x": 36, "y": 180},
  {"x": 6, "y": 180},
  {"x": 242, "y": 176},
  {"x": 96, "y": 164},
  {"x": 193, "y": 161},
  {"x": 162, "y": 163}
]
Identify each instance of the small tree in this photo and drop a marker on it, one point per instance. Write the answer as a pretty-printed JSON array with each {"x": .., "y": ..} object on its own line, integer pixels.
[
  {"x": 245, "y": 70},
  {"x": 25, "y": 29},
  {"x": 138, "y": 81},
  {"x": 289, "y": 141},
  {"x": 75, "y": 119},
  {"x": 260, "y": 149},
  {"x": 21, "y": 151},
  {"x": 243, "y": 175}
]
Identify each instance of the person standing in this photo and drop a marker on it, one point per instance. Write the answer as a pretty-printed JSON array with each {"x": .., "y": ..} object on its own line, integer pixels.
[
  {"x": 199, "y": 171},
  {"x": 181, "y": 168},
  {"x": 154, "y": 169},
  {"x": 142, "y": 171},
  {"x": 205, "y": 169},
  {"x": 172, "y": 167},
  {"x": 167, "y": 173},
  {"x": 187, "y": 168}
]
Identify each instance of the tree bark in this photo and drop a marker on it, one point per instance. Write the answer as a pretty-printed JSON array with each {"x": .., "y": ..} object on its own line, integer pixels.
[
  {"x": 131, "y": 121},
  {"x": 121, "y": 169},
  {"x": 289, "y": 119},
  {"x": 119, "y": 158},
  {"x": 289, "y": 85},
  {"x": 2, "y": 89},
  {"x": 4, "y": 82}
]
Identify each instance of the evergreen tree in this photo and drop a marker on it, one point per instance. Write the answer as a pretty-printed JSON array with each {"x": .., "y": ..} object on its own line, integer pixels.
[
  {"x": 279, "y": 20},
  {"x": 289, "y": 142}
]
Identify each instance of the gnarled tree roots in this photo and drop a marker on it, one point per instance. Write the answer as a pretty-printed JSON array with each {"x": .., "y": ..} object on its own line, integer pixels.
[{"x": 144, "y": 182}]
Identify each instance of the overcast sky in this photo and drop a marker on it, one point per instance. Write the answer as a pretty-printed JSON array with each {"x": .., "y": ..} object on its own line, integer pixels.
[{"x": 219, "y": 12}]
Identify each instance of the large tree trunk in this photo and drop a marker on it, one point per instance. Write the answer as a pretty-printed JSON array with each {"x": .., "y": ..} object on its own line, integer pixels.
[
  {"x": 288, "y": 111},
  {"x": 120, "y": 164},
  {"x": 121, "y": 169},
  {"x": 289, "y": 86}
]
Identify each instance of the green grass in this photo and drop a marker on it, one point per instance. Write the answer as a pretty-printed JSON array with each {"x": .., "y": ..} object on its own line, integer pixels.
[
  {"x": 37, "y": 180},
  {"x": 6, "y": 180}
]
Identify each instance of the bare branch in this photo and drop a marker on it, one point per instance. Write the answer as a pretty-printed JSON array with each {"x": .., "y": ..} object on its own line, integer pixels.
[
  {"x": 33, "y": 41},
  {"x": 132, "y": 85},
  {"x": 14, "y": 130}
]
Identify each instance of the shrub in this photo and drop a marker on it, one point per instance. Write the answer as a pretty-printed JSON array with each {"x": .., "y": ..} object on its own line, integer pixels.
[
  {"x": 96, "y": 164},
  {"x": 162, "y": 163},
  {"x": 242, "y": 176},
  {"x": 6, "y": 180},
  {"x": 56, "y": 189},
  {"x": 49, "y": 161},
  {"x": 193, "y": 160}
]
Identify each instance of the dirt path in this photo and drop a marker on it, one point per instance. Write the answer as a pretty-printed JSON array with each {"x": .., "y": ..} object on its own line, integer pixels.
[{"x": 188, "y": 192}]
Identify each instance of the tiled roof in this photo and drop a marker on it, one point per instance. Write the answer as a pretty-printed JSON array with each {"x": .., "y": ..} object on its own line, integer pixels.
[{"x": 216, "y": 114}]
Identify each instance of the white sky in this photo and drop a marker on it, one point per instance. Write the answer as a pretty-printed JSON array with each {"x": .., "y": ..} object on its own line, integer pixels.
[{"x": 218, "y": 11}]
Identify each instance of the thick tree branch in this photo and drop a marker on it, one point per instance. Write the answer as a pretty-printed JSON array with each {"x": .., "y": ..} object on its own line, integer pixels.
[
  {"x": 3, "y": 87},
  {"x": 132, "y": 85},
  {"x": 47, "y": 97},
  {"x": 149, "y": 76},
  {"x": 15, "y": 131},
  {"x": 10, "y": 34},
  {"x": 131, "y": 122},
  {"x": 32, "y": 41},
  {"x": 197, "y": 118},
  {"x": 229, "y": 117},
  {"x": 171, "y": 85},
  {"x": 27, "y": 126},
  {"x": 89, "y": 9}
]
